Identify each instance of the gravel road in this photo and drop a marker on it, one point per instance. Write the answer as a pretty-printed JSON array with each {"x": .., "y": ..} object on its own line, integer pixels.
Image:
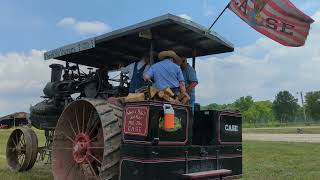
[{"x": 310, "y": 138}]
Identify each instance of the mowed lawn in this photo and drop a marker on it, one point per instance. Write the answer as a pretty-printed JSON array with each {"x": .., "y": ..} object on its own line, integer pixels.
[
  {"x": 281, "y": 161},
  {"x": 262, "y": 161}
]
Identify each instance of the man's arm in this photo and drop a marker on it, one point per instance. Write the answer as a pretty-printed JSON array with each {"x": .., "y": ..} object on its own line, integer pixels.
[
  {"x": 147, "y": 78},
  {"x": 148, "y": 75},
  {"x": 191, "y": 86},
  {"x": 182, "y": 87},
  {"x": 192, "y": 76}
]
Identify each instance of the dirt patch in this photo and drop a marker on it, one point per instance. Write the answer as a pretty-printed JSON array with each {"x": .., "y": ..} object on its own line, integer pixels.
[{"x": 310, "y": 138}]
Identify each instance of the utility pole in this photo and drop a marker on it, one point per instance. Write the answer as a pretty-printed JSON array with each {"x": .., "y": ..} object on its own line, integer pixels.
[{"x": 303, "y": 107}]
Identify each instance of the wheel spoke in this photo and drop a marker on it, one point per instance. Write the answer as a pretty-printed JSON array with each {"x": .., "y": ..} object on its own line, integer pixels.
[
  {"x": 17, "y": 138},
  {"x": 68, "y": 137},
  {"x": 88, "y": 123},
  {"x": 96, "y": 123},
  {"x": 13, "y": 140},
  {"x": 68, "y": 172},
  {"x": 22, "y": 141},
  {"x": 95, "y": 158},
  {"x": 83, "y": 110},
  {"x": 92, "y": 170},
  {"x": 19, "y": 157},
  {"x": 71, "y": 126},
  {"x": 75, "y": 112},
  {"x": 23, "y": 158},
  {"x": 61, "y": 148},
  {"x": 96, "y": 147},
  {"x": 96, "y": 136}
]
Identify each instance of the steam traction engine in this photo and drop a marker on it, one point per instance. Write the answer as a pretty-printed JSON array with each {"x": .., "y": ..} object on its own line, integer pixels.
[{"x": 95, "y": 136}]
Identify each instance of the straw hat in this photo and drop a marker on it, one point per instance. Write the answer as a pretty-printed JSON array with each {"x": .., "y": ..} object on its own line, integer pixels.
[{"x": 170, "y": 54}]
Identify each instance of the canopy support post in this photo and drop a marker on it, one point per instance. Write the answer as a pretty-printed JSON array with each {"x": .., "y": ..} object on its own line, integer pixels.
[
  {"x": 194, "y": 54},
  {"x": 151, "y": 52}
]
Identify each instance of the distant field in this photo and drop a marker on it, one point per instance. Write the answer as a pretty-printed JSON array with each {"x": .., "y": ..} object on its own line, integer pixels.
[
  {"x": 284, "y": 130},
  {"x": 262, "y": 161}
]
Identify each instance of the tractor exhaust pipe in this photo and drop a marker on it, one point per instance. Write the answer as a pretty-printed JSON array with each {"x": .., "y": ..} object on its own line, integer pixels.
[{"x": 56, "y": 72}]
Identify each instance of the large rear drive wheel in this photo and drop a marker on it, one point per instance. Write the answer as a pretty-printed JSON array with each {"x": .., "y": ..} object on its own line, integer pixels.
[
  {"x": 87, "y": 141},
  {"x": 22, "y": 149}
]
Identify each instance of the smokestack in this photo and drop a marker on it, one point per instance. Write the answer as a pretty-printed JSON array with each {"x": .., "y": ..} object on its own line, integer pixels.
[{"x": 56, "y": 72}]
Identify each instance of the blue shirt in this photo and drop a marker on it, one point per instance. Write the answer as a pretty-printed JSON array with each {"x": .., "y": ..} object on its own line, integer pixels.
[
  {"x": 165, "y": 74},
  {"x": 190, "y": 76}
]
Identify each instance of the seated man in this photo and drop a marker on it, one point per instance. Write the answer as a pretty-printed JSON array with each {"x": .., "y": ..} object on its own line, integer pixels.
[
  {"x": 190, "y": 79},
  {"x": 136, "y": 71},
  {"x": 167, "y": 73}
]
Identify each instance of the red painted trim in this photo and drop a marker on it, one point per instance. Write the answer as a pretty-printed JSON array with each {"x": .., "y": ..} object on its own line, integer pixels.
[
  {"x": 219, "y": 130},
  {"x": 207, "y": 174},
  {"x": 178, "y": 159}
]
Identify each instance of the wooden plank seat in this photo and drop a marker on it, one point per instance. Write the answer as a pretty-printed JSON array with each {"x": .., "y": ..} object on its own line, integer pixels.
[{"x": 207, "y": 174}]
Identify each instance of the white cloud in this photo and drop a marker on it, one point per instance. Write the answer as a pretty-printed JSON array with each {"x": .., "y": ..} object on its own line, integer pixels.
[
  {"x": 208, "y": 8},
  {"x": 185, "y": 16},
  {"x": 67, "y": 21},
  {"x": 307, "y": 5},
  {"x": 261, "y": 69},
  {"x": 22, "y": 78},
  {"x": 84, "y": 27}
]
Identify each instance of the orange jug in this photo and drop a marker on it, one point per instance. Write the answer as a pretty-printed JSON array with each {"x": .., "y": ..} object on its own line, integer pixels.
[{"x": 168, "y": 122}]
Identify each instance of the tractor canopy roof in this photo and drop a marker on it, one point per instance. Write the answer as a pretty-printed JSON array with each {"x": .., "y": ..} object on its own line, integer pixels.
[{"x": 123, "y": 46}]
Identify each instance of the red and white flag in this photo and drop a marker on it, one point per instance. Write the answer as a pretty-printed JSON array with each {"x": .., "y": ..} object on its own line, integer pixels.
[{"x": 279, "y": 20}]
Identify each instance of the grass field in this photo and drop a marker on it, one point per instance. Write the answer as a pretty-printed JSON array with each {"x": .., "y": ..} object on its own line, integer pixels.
[
  {"x": 262, "y": 161},
  {"x": 284, "y": 130},
  {"x": 281, "y": 161}
]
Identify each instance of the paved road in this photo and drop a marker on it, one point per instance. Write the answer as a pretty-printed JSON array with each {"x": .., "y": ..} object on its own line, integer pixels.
[{"x": 311, "y": 138}]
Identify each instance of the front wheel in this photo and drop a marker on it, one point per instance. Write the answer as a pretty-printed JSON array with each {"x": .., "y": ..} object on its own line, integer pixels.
[{"x": 22, "y": 149}]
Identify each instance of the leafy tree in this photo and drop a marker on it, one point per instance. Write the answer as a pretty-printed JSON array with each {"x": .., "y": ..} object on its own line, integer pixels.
[
  {"x": 313, "y": 105},
  {"x": 285, "y": 106},
  {"x": 259, "y": 112},
  {"x": 244, "y": 103},
  {"x": 215, "y": 106}
]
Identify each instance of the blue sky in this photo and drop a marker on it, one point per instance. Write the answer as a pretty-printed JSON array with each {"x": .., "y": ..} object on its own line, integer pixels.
[
  {"x": 32, "y": 24},
  {"x": 258, "y": 67}
]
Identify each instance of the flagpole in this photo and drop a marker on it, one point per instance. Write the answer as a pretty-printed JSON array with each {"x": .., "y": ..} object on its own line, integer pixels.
[{"x": 219, "y": 16}]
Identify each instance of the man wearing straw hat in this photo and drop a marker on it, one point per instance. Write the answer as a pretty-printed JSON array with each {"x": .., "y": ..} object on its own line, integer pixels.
[{"x": 167, "y": 72}]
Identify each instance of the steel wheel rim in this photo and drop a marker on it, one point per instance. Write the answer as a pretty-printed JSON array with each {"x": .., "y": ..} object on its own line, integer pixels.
[
  {"x": 78, "y": 143},
  {"x": 19, "y": 150}
]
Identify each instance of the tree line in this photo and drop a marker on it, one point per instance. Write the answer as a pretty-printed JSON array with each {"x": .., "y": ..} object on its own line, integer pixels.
[{"x": 283, "y": 109}]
